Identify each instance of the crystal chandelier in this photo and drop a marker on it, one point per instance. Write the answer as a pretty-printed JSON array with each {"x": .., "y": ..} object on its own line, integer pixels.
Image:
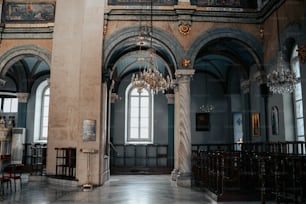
[
  {"x": 207, "y": 108},
  {"x": 150, "y": 77},
  {"x": 282, "y": 80}
]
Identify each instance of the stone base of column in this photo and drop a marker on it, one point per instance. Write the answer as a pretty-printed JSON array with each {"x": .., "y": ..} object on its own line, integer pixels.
[
  {"x": 174, "y": 174},
  {"x": 183, "y": 179}
]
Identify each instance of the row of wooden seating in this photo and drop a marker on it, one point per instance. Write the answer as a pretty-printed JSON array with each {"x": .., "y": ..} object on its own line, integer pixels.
[{"x": 234, "y": 175}]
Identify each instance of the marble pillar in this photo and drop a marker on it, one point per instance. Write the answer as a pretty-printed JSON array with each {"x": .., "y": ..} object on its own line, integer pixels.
[
  {"x": 184, "y": 149},
  {"x": 170, "y": 98},
  {"x": 176, "y": 133}
]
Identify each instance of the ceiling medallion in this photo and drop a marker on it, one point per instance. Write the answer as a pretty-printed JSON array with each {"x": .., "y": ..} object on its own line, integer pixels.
[
  {"x": 302, "y": 53},
  {"x": 184, "y": 28}
]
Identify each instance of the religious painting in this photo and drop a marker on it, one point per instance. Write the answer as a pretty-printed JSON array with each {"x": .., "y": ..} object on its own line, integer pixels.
[
  {"x": 89, "y": 130},
  {"x": 255, "y": 124},
  {"x": 275, "y": 120},
  {"x": 202, "y": 122},
  {"x": 143, "y": 2},
  {"x": 28, "y": 12},
  {"x": 237, "y": 125}
]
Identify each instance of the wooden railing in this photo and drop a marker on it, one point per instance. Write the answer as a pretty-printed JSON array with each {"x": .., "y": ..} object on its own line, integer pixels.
[{"x": 278, "y": 174}]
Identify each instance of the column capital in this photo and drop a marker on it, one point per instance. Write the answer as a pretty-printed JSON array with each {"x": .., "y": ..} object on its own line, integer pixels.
[
  {"x": 114, "y": 97},
  {"x": 260, "y": 77},
  {"x": 245, "y": 86},
  {"x": 22, "y": 97},
  {"x": 170, "y": 98},
  {"x": 180, "y": 73}
]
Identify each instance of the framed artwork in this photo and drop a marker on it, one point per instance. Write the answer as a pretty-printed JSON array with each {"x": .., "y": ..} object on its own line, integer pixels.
[
  {"x": 275, "y": 120},
  {"x": 237, "y": 125},
  {"x": 89, "y": 130},
  {"x": 255, "y": 124},
  {"x": 202, "y": 122},
  {"x": 20, "y": 12}
]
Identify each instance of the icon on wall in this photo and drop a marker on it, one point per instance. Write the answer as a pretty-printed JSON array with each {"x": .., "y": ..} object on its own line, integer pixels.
[
  {"x": 255, "y": 124},
  {"x": 202, "y": 122},
  {"x": 275, "y": 121},
  {"x": 89, "y": 130}
]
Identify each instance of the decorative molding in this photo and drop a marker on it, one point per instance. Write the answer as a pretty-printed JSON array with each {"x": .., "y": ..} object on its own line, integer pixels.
[
  {"x": 261, "y": 32},
  {"x": 184, "y": 28},
  {"x": 302, "y": 53},
  {"x": 184, "y": 72},
  {"x": 22, "y": 97},
  {"x": 186, "y": 63}
]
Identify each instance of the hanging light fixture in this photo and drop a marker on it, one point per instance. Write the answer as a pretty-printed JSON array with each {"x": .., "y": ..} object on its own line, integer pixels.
[
  {"x": 207, "y": 108},
  {"x": 282, "y": 80},
  {"x": 150, "y": 77}
]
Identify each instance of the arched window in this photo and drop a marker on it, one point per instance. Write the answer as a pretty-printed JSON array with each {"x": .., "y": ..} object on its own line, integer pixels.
[
  {"x": 41, "y": 112},
  {"x": 44, "y": 114},
  {"x": 297, "y": 97},
  {"x": 138, "y": 116}
]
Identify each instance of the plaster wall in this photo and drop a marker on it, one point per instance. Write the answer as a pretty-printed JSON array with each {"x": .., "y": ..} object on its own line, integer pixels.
[
  {"x": 171, "y": 27},
  {"x": 7, "y": 44}
]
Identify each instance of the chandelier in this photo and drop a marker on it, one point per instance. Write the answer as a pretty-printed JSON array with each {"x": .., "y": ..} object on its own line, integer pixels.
[
  {"x": 282, "y": 80},
  {"x": 150, "y": 77},
  {"x": 207, "y": 108}
]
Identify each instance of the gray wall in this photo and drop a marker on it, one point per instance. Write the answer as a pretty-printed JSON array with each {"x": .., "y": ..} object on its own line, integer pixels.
[{"x": 160, "y": 116}]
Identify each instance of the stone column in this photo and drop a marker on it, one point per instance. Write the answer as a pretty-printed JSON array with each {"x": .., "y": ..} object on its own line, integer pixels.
[
  {"x": 176, "y": 133},
  {"x": 22, "y": 109},
  {"x": 170, "y": 98},
  {"x": 184, "y": 154}
]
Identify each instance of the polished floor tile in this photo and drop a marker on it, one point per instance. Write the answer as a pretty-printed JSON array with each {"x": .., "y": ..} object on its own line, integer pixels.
[{"x": 128, "y": 189}]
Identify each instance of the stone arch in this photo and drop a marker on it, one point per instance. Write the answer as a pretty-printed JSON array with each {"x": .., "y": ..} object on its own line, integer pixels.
[
  {"x": 14, "y": 54},
  {"x": 253, "y": 45},
  {"x": 127, "y": 37}
]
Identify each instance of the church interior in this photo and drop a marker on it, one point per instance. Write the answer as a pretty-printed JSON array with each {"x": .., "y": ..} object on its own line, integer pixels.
[{"x": 199, "y": 94}]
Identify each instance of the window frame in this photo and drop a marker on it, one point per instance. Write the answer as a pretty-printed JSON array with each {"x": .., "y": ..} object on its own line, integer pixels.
[
  {"x": 150, "y": 111},
  {"x": 43, "y": 113},
  {"x": 297, "y": 98},
  {"x": 40, "y": 90}
]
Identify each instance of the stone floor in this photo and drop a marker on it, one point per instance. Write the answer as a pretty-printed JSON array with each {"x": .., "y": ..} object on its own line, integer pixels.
[{"x": 127, "y": 189}]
